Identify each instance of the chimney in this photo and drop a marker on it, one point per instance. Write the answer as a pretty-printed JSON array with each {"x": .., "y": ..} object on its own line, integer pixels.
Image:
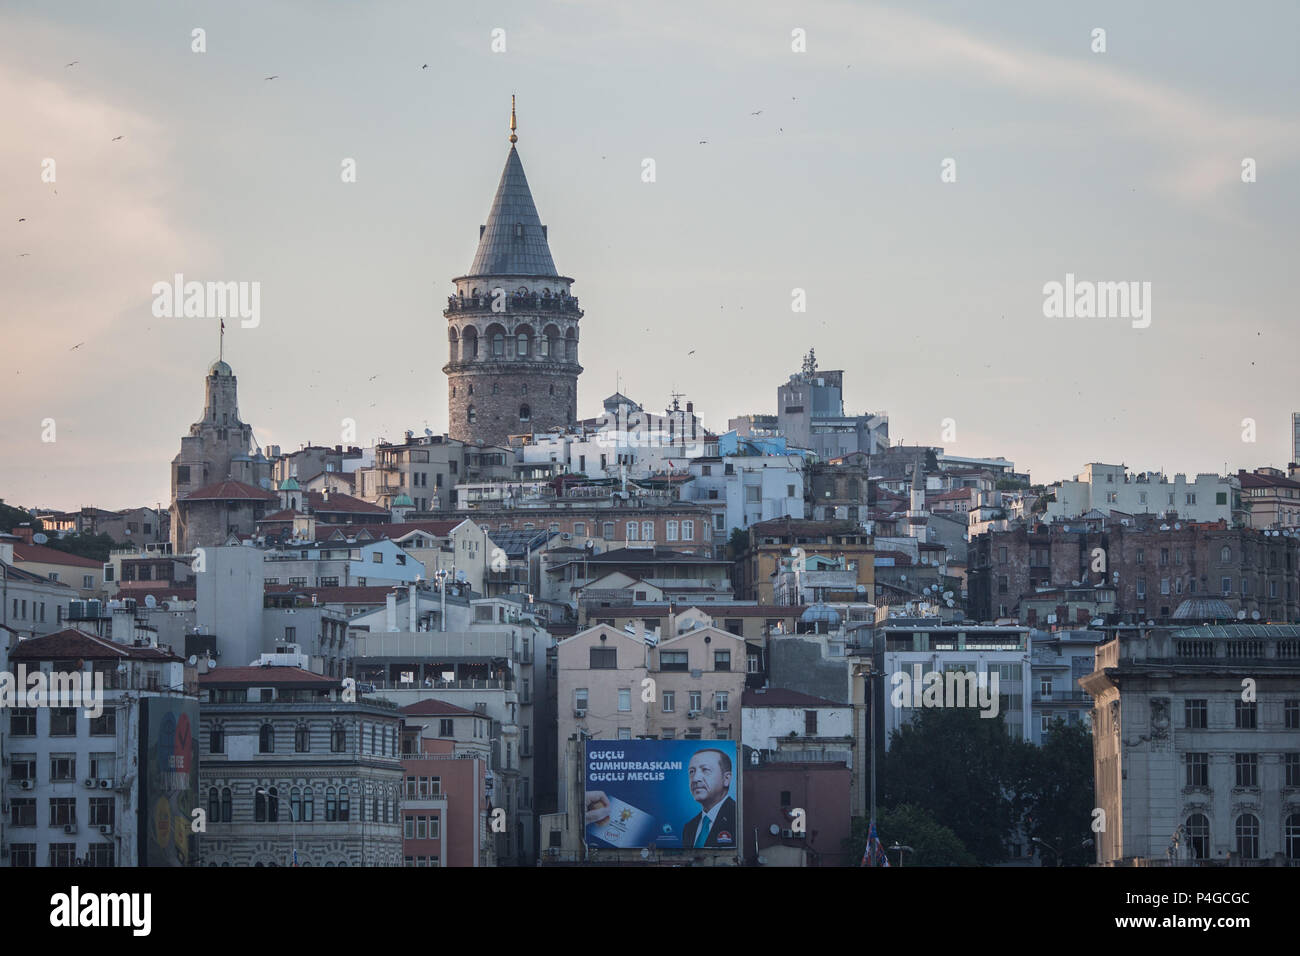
[
  {"x": 390, "y": 622},
  {"x": 410, "y": 597}
]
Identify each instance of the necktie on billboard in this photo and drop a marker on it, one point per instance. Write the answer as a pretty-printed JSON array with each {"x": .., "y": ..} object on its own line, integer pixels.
[{"x": 704, "y": 830}]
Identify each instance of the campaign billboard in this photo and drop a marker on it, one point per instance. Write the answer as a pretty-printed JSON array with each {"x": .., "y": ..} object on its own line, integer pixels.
[
  {"x": 169, "y": 778},
  {"x": 665, "y": 794}
]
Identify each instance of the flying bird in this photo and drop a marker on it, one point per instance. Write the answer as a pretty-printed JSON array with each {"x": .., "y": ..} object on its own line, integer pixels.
[
  {"x": 73, "y": 63},
  {"x": 24, "y": 219},
  {"x": 77, "y": 346},
  {"x": 277, "y": 76},
  {"x": 116, "y": 138},
  {"x": 691, "y": 352},
  {"x": 425, "y": 67},
  {"x": 21, "y": 254},
  {"x": 755, "y": 113},
  {"x": 704, "y": 142}
]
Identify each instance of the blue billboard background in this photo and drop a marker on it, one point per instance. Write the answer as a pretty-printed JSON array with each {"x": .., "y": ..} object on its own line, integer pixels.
[{"x": 639, "y": 794}]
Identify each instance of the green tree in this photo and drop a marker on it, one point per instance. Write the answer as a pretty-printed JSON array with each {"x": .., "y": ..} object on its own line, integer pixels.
[
  {"x": 1058, "y": 796},
  {"x": 738, "y": 543},
  {"x": 965, "y": 771},
  {"x": 94, "y": 546},
  {"x": 11, "y": 517},
  {"x": 932, "y": 843}
]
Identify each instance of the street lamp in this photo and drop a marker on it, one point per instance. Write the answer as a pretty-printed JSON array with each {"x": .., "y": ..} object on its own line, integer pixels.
[
  {"x": 901, "y": 850},
  {"x": 293, "y": 828}
]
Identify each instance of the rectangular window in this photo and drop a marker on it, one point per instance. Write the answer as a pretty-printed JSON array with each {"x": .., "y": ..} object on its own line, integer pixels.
[
  {"x": 408, "y": 829},
  {"x": 632, "y": 530},
  {"x": 580, "y": 698},
  {"x": 695, "y": 699},
  {"x": 1195, "y": 714},
  {"x": 624, "y": 700},
  {"x": 63, "y": 722},
  {"x": 604, "y": 658},
  {"x": 720, "y": 699},
  {"x": 669, "y": 699},
  {"x": 1246, "y": 713},
  {"x": 673, "y": 661},
  {"x": 1291, "y": 714},
  {"x": 671, "y": 528},
  {"x": 625, "y": 733},
  {"x": 579, "y": 529},
  {"x": 105, "y": 725},
  {"x": 1247, "y": 770},
  {"x": 63, "y": 811},
  {"x": 22, "y": 722},
  {"x": 722, "y": 660},
  {"x": 101, "y": 812},
  {"x": 446, "y": 727},
  {"x": 1198, "y": 770},
  {"x": 608, "y": 532},
  {"x": 1292, "y": 769},
  {"x": 810, "y": 723},
  {"x": 688, "y": 530},
  {"x": 63, "y": 767},
  {"x": 647, "y": 530},
  {"x": 22, "y": 812}
]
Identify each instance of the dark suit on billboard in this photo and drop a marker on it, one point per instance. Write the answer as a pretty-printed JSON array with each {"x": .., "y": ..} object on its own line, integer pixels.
[{"x": 724, "y": 823}]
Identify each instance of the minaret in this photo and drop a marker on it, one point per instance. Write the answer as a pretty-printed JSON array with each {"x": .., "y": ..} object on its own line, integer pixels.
[
  {"x": 512, "y": 325},
  {"x": 917, "y": 518}
]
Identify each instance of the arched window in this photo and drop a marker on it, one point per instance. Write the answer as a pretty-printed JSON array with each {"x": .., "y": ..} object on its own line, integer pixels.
[
  {"x": 331, "y": 804},
  {"x": 525, "y": 413},
  {"x": 498, "y": 345},
  {"x": 543, "y": 347},
  {"x": 521, "y": 346},
  {"x": 1225, "y": 555},
  {"x": 308, "y": 805},
  {"x": 214, "y": 805},
  {"x": 471, "y": 415},
  {"x": 266, "y": 739},
  {"x": 217, "y": 738},
  {"x": 301, "y": 739},
  {"x": 259, "y": 805},
  {"x": 1248, "y": 836},
  {"x": 339, "y": 735},
  {"x": 227, "y": 804},
  {"x": 295, "y": 804},
  {"x": 1291, "y": 836},
  {"x": 273, "y": 805},
  {"x": 343, "y": 803}
]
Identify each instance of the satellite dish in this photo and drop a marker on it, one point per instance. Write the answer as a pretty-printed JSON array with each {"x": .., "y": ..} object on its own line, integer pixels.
[
  {"x": 39, "y": 538},
  {"x": 774, "y": 830},
  {"x": 1115, "y": 575},
  {"x": 950, "y": 602},
  {"x": 1254, "y": 615},
  {"x": 1241, "y": 615},
  {"x": 150, "y": 601},
  {"x": 902, "y": 577},
  {"x": 193, "y": 660},
  {"x": 1177, "y": 526}
]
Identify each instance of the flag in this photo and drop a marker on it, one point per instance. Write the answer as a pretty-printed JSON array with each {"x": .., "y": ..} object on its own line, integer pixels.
[
  {"x": 295, "y": 856},
  {"x": 873, "y": 854}
]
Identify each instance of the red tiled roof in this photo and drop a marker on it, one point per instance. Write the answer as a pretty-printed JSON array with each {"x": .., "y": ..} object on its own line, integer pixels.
[
  {"x": 1249, "y": 480},
  {"x": 286, "y": 514},
  {"x": 42, "y": 555},
  {"x": 780, "y": 697},
  {"x": 435, "y": 708},
  {"x": 72, "y": 644},
  {"x": 229, "y": 490},
  {"x": 270, "y": 676}
]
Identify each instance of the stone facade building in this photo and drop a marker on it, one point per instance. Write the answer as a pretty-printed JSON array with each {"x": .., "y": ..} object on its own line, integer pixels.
[
  {"x": 512, "y": 326},
  {"x": 1153, "y": 566},
  {"x": 288, "y": 766},
  {"x": 1188, "y": 771}
]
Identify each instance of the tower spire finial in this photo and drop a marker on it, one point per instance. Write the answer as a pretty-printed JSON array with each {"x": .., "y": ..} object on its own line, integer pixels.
[{"x": 513, "y": 138}]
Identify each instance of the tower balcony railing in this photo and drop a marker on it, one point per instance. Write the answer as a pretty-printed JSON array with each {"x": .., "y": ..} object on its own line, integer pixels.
[{"x": 515, "y": 303}]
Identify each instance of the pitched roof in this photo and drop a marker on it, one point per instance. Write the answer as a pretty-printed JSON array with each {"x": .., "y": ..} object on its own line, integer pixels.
[
  {"x": 227, "y": 491},
  {"x": 43, "y": 555},
  {"x": 269, "y": 676},
  {"x": 500, "y": 250},
  {"x": 780, "y": 697},
  {"x": 72, "y": 644},
  {"x": 393, "y": 531},
  {"x": 435, "y": 708},
  {"x": 339, "y": 502}
]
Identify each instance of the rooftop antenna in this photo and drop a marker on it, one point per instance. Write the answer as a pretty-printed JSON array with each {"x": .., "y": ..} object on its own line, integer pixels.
[
  {"x": 513, "y": 138},
  {"x": 221, "y": 342}
]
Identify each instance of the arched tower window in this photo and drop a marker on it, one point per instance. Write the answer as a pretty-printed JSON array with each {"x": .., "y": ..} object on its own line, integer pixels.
[
  {"x": 498, "y": 345},
  {"x": 525, "y": 414},
  {"x": 521, "y": 346},
  {"x": 471, "y": 415}
]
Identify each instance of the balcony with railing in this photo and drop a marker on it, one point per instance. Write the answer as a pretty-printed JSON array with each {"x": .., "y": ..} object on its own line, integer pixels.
[{"x": 515, "y": 303}]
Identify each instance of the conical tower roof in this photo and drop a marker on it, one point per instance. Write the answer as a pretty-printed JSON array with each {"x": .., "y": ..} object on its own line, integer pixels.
[{"x": 513, "y": 242}]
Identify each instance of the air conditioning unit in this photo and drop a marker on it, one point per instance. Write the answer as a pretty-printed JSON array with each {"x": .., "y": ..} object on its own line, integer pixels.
[
  {"x": 69, "y": 828},
  {"x": 105, "y": 784},
  {"x": 89, "y": 782},
  {"x": 693, "y": 713},
  {"x": 579, "y": 713},
  {"x": 106, "y": 829},
  {"x": 26, "y": 785}
]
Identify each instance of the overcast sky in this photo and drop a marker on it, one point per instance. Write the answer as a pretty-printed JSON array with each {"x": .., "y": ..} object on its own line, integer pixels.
[{"x": 1117, "y": 166}]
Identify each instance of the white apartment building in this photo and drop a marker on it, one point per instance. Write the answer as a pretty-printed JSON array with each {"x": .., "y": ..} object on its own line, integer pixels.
[{"x": 1108, "y": 488}]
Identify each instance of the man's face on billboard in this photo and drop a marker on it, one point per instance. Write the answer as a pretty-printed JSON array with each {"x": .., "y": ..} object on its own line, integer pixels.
[{"x": 709, "y": 782}]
